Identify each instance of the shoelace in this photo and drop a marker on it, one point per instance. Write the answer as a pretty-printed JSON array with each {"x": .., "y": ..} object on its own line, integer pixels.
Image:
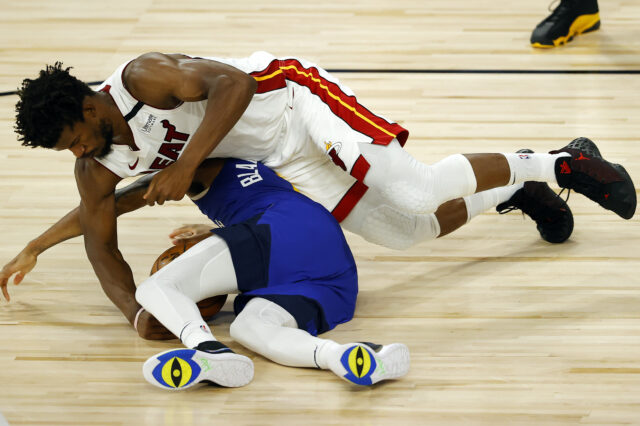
[
  {"x": 568, "y": 194},
  {"x": 512, "y": 208},
  {"x": 558, "y": 11}
]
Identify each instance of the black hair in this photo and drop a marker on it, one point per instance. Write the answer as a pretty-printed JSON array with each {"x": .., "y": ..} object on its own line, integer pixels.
[{"x": 47, "y": 104}]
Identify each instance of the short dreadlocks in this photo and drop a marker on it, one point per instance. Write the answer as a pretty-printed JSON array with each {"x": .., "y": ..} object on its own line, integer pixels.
[{"x": 47, "y": 104}]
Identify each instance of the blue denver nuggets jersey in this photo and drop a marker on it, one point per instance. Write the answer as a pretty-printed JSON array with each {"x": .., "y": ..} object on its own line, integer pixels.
[
  {"x": 242, "y": 190},
  {"x": 285, "y": 247}
]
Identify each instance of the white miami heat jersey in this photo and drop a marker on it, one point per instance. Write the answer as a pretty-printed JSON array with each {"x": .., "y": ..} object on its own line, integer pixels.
[
  {"x": 161, "y": 135},
  {"x": 301, "y": 122}
]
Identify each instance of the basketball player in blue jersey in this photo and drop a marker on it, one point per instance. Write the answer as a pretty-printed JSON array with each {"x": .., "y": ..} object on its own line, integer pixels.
[
  {"x": 168, "y": 113},
  {"x": 287, "y": 259}
]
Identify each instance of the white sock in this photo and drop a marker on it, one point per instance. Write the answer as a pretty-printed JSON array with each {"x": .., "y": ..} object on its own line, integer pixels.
[
  {"x": 326, "y": 351},
  {"x": 482, "y": 201},
  {"x": 196, "y": 332},
  {"x": 537, "y": 167}
]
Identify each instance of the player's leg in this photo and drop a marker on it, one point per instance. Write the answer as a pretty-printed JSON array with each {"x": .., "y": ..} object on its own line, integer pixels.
[
  {"x": 367, "y": 147},
  {"x": 379, "y": 223},
  {"x": 170, "y": 295},
  {"x": 271, "y": 331},
  {"x": 416, "y": 187},
  {"x": 205, "y": 270}
]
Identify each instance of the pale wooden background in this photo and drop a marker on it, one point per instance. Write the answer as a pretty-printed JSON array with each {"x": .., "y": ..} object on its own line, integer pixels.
[{"x": 502, "y": 327}]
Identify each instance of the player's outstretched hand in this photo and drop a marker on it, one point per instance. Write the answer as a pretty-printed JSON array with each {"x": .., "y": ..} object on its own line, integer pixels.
[
  {"x": 21, "y": 265},
  {"x": 189, "y": 233},
  {"x": 170, "y": 183}
]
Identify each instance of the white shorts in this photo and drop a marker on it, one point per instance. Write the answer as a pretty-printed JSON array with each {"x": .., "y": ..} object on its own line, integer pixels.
[{"x": 325, "y": 123}]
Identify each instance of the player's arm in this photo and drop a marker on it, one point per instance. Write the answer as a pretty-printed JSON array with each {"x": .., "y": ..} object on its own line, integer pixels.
[
  {"x": 128, "y": 199},
  {"x": 97, "y": 213},
  {"x": 165, "y": 81}
]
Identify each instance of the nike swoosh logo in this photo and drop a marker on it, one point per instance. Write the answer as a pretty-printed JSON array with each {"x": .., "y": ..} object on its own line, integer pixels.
[{"x": 134, "y": 165}]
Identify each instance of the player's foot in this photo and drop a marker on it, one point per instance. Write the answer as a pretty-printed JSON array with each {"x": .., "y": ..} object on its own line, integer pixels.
[
  {"x": 550, "y": 212},
  {"x": 587, "y": 173},
  {"x": 569, "y": 19},
  {"x": 367, "y": 363},
  {"x": 179, "y": 369}
]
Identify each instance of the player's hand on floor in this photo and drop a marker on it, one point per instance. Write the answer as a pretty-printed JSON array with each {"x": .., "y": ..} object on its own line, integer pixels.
[
  {"x": 192, "y": 232},
  {"x": 21, "y": 265},
  {"x": 150, "y": 328}
]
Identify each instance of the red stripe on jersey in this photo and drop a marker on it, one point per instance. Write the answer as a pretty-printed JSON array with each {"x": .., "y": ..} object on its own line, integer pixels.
[
  {"x": 271, "y": 78},
  {"x": 355, "y": 193},
  {"x": 349, "y": 200},
  {"x": 360, "y": 168},
  {"x": 344, "y": 106}
]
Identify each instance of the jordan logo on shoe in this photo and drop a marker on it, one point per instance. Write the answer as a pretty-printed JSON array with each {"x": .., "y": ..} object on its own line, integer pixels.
[
  {"x": 564, "y": 168},
  {"x": 582, "y": 157}
]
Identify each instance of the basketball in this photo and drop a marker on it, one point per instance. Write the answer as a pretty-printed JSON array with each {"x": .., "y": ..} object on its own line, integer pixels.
[{"x": 208, "y": 307}]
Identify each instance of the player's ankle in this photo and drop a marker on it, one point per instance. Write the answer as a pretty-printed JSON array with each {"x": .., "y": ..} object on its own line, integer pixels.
[
  {"x": 325, "y": 352},
  {"x": 213, "y": 346}
]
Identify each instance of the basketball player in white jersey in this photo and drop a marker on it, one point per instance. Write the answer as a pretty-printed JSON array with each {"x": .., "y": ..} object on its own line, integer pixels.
[{"x": 170, "y": 112}]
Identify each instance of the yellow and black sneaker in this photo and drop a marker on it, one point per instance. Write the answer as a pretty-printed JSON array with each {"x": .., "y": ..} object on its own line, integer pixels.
[{"x": 569, "y": 19}]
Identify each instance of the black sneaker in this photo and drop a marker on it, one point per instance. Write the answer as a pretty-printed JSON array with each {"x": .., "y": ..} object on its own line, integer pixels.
[
  {"x": 551, "y": 213},
  {"x": 569, "y": 19},
  {"x": 587, "y": 173},
  {"x": 213, "y": 361}
]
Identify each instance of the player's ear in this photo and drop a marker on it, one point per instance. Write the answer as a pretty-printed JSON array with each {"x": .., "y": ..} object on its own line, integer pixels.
[{"x": 89, "y": 108}]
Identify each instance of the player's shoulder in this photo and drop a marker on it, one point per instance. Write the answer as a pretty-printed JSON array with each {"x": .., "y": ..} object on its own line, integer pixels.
[
  {"x": 145, "y": 67},
  {"x": 93, "y": 178},
  {"x": 150, "y": 77}
]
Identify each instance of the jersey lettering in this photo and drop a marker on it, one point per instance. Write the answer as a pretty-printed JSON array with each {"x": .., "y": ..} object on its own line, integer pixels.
[
  {"x": 169, "y": 150},
  {"x": 247, "y": 179},
  {"x": 160, "y": 163},
  {"x": 172, "y": 133}
]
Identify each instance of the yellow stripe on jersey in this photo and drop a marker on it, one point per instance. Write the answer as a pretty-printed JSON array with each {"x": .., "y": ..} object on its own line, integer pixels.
[
  {"x": 326, "y": 89},
  {"x": 267, "y": 77},
  {"x": 337, "y": 98}
]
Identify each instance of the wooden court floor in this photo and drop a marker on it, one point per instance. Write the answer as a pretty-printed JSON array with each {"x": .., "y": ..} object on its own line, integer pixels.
[{"x": 503, "y": 328}]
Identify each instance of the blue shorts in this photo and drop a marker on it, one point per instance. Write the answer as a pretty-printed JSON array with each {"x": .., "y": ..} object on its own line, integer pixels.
[{"x": 295, "y": 254}]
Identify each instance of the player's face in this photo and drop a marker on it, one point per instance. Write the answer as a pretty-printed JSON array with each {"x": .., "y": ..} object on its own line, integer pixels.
[{"x": 86, "y": 139}]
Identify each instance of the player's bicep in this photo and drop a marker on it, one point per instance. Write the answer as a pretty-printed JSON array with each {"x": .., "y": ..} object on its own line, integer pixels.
[
  {"x": 97, "y": 210},
  {"x": 157, "y": 78}
]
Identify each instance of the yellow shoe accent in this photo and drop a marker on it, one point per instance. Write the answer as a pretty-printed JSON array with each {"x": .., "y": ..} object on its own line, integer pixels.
[{"x": 582, "y": 24}]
